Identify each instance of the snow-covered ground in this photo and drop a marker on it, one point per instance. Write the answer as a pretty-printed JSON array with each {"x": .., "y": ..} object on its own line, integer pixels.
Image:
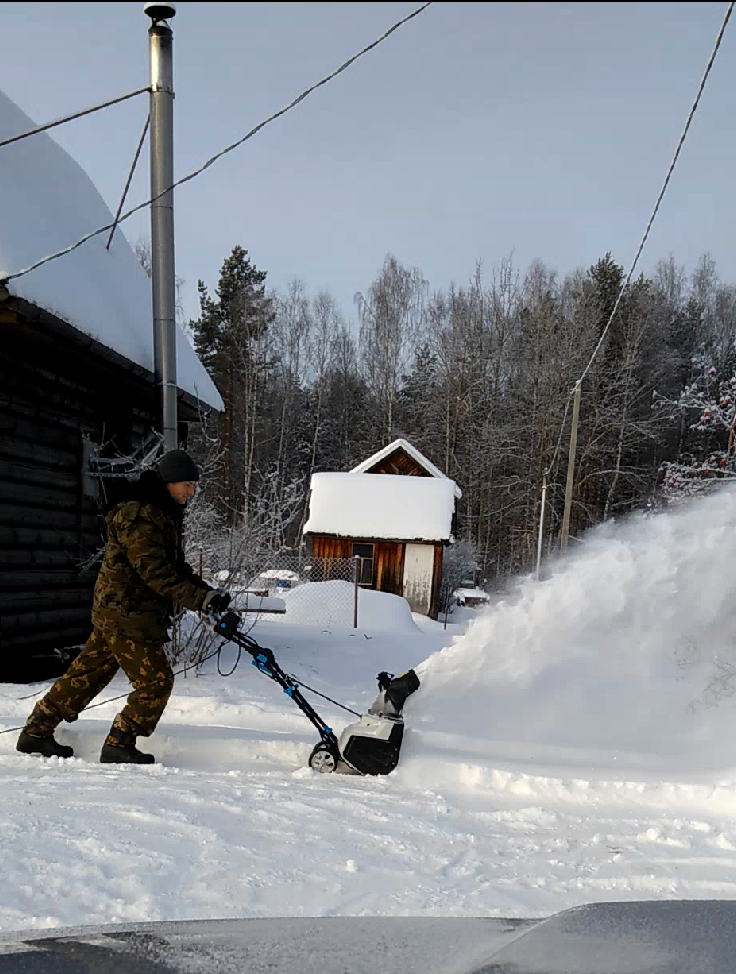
[{"x": 575, "y": 744}]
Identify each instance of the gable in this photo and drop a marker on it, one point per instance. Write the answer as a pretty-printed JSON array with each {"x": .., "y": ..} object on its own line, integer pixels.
[
  {"x": 401, "y": 458},
  {"x": 400, "y": 463}
]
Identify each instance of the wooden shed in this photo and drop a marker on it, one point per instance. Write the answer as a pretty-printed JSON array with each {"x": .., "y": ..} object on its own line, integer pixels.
[
  {"x": 76, "y": 386},
  {"x": 398, "y": 523}
]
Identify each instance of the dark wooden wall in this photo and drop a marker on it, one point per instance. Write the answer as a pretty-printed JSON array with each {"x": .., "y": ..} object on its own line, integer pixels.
[{"x": 51, "y": 397}]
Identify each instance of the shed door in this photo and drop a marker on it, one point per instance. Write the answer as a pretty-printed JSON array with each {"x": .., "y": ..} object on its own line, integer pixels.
[{"x": 418, "y": 569}]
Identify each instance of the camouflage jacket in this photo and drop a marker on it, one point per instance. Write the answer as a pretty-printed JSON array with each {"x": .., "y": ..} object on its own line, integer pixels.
[{"x": 144, "y": 574}]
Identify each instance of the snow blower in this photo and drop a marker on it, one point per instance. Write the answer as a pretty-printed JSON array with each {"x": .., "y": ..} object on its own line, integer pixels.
[{"x": 371, "y": 745}]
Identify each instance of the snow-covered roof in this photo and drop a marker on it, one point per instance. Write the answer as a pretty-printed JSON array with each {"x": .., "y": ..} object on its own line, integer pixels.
[
  {"x": 381, "y": 506},
  {"x": 279, "y": 575},
  {"x": 402, "y": 444},
  {"x": 48, "y": 203}
]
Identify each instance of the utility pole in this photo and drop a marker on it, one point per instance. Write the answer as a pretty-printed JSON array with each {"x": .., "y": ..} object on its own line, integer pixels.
[
  {"x": 571, "y": 467},
  {"x": 163, "y": 275},
  {"x": 541, "y": 523}
]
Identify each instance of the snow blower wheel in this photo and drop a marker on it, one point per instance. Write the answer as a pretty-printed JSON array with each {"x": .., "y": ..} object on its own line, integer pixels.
[{"x": 322, "y": 759}]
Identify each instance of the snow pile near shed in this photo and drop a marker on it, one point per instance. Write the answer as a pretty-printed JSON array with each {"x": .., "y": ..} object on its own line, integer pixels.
[
  {"x": 48, "y": 203},
  {"x": 332, "y": 604},
  {"x": 624, "y": 659},
  {"x": 385, "y": 506}
]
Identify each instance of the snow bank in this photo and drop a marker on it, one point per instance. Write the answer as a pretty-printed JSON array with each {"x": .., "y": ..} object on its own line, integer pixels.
[
  {"x": 381, "y": 506},
  {"x": 331, "y": 604},
  {"x": 625, "y": 656},
  {"x": 48, "y": 203}
]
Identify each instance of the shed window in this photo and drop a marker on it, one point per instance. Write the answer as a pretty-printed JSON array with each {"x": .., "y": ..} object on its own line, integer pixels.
[{"x": 365, "y": 569}]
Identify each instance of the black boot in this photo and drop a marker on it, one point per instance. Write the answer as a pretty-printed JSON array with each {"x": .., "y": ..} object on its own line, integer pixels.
[
  {"x": 119, "y": 748},
  {"x": 47, "y": 747}
]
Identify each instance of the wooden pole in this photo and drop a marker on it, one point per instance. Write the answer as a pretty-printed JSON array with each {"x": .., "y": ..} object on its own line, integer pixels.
[{"x": 564, "y": 536}]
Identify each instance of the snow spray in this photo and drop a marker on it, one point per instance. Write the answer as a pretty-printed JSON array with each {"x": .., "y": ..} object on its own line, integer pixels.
[{"x": 629, "y": 648}]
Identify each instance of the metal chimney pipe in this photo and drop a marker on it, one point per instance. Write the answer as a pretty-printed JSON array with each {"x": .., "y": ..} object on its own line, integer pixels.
[{"x": 163, "y": 274}]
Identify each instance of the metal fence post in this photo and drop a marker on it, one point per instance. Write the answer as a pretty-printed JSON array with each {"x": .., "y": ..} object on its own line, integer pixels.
[{"x": 356, "y": 572}]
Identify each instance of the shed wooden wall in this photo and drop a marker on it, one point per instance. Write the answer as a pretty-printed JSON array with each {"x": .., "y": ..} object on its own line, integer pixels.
[
  {"x": 388, "y": 566},
  {"x": 388, "y": 560},
  {"x": 439, "y": 551}
]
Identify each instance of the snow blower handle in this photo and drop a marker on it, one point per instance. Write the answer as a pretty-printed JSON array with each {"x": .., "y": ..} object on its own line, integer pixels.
[{"x": 225, "y": 624}]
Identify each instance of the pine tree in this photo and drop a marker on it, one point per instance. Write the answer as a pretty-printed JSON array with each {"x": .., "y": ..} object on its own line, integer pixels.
[{"x": 231, "y": 337}]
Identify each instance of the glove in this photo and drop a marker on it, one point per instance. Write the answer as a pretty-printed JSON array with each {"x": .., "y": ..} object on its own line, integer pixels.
[{"x": 216, "y": 600}]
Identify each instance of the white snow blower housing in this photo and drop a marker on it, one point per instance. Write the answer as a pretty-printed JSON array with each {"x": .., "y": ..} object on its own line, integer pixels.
[{"x": 371, "y": 745}]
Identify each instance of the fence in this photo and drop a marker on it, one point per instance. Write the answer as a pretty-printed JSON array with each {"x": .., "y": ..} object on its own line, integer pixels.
[
  {"x": 323, "y": 592},
  {"x": 319, "y": 591}
]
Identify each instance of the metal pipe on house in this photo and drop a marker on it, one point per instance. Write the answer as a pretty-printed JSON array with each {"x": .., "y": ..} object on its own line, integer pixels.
[{"x": 163, "y": 275}]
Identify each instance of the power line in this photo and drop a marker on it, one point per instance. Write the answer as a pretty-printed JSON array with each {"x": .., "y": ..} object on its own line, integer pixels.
[
  {"x": 70, "y": 118},
  {"x": 187, "y": 666},
  {"x": 129, "y": 179},
  {"x": 151, "y": 683},
  {"x": 644, "y": 239},
  {"x": 219, "y": 155},
  {"x": 676, "y": 156}
]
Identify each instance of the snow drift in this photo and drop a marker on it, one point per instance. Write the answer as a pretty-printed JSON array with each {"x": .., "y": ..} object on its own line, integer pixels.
[
  {"x": 332, "y": 604},
  {"x": 626, "y": 656}
]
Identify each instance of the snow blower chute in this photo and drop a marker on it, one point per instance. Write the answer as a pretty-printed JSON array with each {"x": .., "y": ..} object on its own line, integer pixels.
[{"x": 371, "y": 745}]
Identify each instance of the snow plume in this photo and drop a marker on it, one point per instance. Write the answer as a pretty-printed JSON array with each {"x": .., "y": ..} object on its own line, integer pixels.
[{"x": 628, "y": 650}]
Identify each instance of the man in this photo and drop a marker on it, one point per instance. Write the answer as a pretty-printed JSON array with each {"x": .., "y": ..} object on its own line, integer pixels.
[{"x": 142, "y": 578}]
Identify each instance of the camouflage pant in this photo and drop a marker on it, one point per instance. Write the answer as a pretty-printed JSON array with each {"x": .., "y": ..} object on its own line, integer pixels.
[{"x": 145, "y": 665}]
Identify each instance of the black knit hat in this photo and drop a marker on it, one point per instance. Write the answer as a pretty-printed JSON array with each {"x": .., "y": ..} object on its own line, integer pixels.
[{"x": 177, "y": 465}]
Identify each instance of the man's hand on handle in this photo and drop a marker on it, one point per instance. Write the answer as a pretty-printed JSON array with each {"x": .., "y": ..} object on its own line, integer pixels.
[{"x": 216, "y": 601}]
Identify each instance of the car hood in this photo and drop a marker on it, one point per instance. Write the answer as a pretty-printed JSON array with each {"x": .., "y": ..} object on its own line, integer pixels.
[{"x": 670, "y": 937}]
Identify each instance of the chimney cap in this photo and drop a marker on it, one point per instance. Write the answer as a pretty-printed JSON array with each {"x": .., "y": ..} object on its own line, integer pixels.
[{"x": 159, "y": 11}]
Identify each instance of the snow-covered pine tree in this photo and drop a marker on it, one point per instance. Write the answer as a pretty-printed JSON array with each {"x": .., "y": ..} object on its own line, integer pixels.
[{"x": 708, "y": 407}]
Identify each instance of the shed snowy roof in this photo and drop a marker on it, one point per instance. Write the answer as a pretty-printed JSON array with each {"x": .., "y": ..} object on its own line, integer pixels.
[
  {"x": 381, "y": 506},
  {"x": 406, "y": 446},
  {"x": 48, "y": 202}
]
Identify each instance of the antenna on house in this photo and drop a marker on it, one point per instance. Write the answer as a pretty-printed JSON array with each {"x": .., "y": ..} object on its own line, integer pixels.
[{"x": 163, "y": 275}]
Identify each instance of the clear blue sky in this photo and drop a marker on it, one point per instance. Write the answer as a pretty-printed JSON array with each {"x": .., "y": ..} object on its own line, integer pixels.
[{"x": 475, "y": 130}]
